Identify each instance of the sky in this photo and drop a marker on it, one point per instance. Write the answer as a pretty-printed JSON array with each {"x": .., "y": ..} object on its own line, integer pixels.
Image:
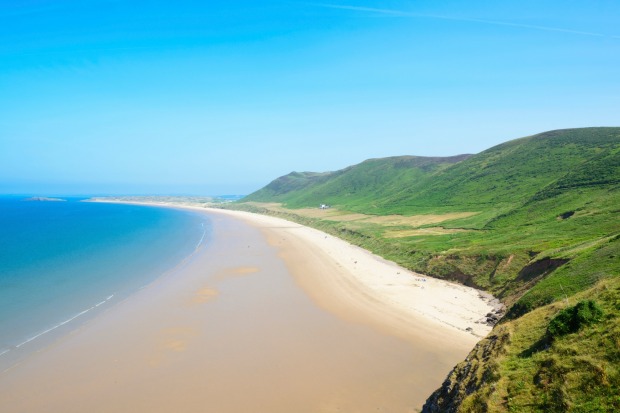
[{"x": 221, "y": 97}]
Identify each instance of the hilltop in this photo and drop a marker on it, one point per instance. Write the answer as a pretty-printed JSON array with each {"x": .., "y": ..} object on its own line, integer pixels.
[
  {"x": 359, "y": 187},
  {"x": 533, "y": 221}
]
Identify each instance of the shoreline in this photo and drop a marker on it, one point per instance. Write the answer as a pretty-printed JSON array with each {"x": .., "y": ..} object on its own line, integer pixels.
[
  {"x": 390, "y": 295},
  {"x": 367, "y": 278},
  {"x": 279, "y": 313},
  {"x": 37, "y": 340}
]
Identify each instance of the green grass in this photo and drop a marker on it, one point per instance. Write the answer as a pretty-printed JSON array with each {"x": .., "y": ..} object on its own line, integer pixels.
[
  {"x": 545, "y": 235},
  {"x": 572, "y": 319},
  {"x": 585, "y": 270},
  {"x": 575, "y": 372},
  {"x": 359, "y": 186},
  {"x": 500, "y": 178}
]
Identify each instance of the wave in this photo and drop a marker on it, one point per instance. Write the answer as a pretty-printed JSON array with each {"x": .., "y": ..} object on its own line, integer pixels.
[
  {"x": 204, "y": 232},
  {"x": 81, "y": 313}
]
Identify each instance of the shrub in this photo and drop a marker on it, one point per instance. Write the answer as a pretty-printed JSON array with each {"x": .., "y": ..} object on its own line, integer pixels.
[
  {"x": 518, "y": 309},
  {"x": 571, "y": 319}
]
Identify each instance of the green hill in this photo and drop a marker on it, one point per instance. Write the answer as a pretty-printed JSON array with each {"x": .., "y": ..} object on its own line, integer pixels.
[
  {"x": 511, "y": 173},
  {"x": 357, "y": 186},
  {"x": 500, "y": 178},
  {"x": 535, "y": 221}
]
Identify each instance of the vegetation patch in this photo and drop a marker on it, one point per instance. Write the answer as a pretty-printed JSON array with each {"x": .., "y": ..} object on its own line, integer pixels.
[
  {"x": 419, "y": 220},
  {"x": 531, "y": 372},
  {"x": 572, "y": 319},
  {"x": 404, "y": 233}
]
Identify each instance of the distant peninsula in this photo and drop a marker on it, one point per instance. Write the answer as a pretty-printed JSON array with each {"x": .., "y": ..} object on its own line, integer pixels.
[{"x": 44, "y": 199}]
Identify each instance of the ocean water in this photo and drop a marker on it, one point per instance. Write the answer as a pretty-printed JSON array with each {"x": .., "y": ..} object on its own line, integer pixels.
[{"x": 61, "y": 262}]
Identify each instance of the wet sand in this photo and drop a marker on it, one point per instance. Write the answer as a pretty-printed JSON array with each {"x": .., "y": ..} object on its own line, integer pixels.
[{"x": 261, "y": 319}]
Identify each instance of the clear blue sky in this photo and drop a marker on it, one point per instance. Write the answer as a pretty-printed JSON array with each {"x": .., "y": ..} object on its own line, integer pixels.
[{"x": 221, "y": 97}]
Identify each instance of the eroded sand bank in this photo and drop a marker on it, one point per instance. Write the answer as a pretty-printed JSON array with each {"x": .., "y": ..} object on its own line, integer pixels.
[{"x": 231, "y": 331}]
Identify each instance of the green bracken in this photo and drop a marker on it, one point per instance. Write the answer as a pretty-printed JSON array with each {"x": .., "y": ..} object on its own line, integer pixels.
[{"x": 572, "y": 319}]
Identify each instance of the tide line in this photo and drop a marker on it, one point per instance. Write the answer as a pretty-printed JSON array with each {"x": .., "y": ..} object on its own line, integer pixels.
[
  {"x": 204, "y": 232},
  {"x": 59, "y": 324}
]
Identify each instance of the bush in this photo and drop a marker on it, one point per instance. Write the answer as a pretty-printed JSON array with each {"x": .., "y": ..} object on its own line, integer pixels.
[
  {"x": 571, "y": 319},
  {"x": 518, "y": 309}
]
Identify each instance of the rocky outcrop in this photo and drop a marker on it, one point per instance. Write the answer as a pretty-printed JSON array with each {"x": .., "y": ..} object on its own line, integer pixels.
[{"x": 476, "y": 374}]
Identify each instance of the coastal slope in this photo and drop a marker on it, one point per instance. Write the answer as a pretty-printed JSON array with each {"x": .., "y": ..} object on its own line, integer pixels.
[{"x": 533, "y": 221}]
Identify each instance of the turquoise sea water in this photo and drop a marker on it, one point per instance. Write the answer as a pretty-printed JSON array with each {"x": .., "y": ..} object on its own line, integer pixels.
[{"x": 61, "y": 261}]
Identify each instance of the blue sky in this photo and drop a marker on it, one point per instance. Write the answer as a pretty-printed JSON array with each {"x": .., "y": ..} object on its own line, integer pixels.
[{"x": 221, "y": 97}]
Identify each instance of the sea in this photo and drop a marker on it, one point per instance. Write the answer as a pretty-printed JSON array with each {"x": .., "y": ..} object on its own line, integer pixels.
[{"x": 62, "y": 262}]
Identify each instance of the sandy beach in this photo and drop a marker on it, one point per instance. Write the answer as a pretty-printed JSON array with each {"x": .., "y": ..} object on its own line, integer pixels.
[
  {"x": 269, "y": 316},
  {"x": 364, "y": 287}
]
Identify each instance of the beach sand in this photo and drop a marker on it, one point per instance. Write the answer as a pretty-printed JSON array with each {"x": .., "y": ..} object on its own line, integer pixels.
[{"x": 269, "y": 316}]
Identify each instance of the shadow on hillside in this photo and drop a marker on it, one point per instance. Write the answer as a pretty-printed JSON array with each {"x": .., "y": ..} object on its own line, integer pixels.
[{"x": 541, "y": 345}]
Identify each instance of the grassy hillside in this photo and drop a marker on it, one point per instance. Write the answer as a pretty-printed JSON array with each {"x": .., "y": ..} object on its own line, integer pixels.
[
  {"x": 359, "y": 187},
  {"x": 521, "y": 367},
  {"x": 504, "y": 219},
  {"x": 511, "y": 173},
  {"x": 534, "y": 221}
]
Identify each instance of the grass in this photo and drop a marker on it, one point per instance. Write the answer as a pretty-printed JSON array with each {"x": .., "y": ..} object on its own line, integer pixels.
[
  {"x": 359, "y": 186},
  {"x": 490, "y": 257},
  {"x": 574, "y": 372},
  {"x": 535, "y": 221}
]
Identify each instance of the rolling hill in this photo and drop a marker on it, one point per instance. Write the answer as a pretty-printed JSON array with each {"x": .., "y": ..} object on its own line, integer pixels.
[
  {"x": 535, "y": 221},
  {"x": 357, "y": 187}
]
